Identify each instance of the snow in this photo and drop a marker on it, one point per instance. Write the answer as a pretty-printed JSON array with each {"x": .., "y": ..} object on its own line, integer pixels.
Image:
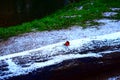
[
  {"x": 17, "y": 70},
  {"x": 115, "y": 9},
  {"x": 114, "y": 78},
  {"x": 108, "y": 14},
  {"x": 80, "y": 8},
  {"x": 60, "y": 58},
  {"x": 71, "y": 16},
  {"x": 13, "y": 67},
  {"x": 113, "y": 13}
]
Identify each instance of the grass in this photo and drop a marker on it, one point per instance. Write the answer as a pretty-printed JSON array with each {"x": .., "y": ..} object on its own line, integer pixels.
[{"x": 66, "y": 17}]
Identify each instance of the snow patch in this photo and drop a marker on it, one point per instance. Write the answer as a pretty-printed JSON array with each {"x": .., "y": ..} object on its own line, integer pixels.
[
  {"x": 71, "y": 16},
  {"x": 80, "y": 8},
  {"x": 115, "y": 9},
  {"x": 108, "y": 14},
  {"x": 114, "y": 78}
]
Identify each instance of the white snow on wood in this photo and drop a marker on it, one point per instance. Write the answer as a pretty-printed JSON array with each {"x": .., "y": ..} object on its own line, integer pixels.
[
  {"x": 16, "y": 70},
  {"x": 74, "y": 44},
  {"x": 54, "y": 54}
]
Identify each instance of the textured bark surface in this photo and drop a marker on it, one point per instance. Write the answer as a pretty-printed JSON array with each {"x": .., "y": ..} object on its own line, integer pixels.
[
  {"x": 74, "y": 69},
  {"x": 59, "y": 62}
]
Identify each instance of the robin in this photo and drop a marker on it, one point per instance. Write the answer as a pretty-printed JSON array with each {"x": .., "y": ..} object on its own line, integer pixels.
[{"x": 67, "y": 43}]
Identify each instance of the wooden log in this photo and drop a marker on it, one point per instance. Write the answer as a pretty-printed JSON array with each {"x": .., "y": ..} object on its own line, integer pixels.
[{"x": 60, "y": 62}]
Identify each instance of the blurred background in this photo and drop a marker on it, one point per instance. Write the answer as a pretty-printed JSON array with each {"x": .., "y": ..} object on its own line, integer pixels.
[{"x": 14, "y": 12}]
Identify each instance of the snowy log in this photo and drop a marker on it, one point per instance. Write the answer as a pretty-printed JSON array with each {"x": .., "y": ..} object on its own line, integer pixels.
[{"x": 24, "y": 63}]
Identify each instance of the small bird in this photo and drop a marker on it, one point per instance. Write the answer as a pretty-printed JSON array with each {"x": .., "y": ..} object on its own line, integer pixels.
[{"x": 67, "y": 43}]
